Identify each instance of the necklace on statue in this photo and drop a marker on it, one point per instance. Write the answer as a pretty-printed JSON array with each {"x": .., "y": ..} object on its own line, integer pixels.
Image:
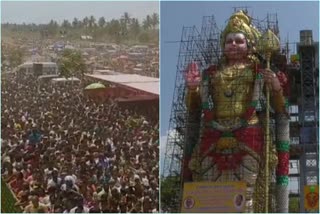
[
  {"x": 228, "y": 93},
  {"x": 230, "y": 75}
]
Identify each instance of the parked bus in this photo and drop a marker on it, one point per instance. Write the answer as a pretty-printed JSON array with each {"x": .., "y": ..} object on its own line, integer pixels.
[{"x": 37, "y": 69}]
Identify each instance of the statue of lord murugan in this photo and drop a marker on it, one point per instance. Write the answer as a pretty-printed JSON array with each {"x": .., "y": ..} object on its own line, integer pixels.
[{"x": 231, "y": 99}]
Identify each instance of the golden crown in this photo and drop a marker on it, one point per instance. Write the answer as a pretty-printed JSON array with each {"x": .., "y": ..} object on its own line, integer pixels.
[{"x": 240, "y": 22}]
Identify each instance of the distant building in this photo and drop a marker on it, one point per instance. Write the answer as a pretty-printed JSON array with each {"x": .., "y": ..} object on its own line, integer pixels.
[
  {"x": 37, "y": 68},
  {"x": 86, "y": 37}
]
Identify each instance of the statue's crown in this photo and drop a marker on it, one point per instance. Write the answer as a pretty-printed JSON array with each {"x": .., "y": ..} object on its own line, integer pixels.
[{"x": 240, "y": 22}]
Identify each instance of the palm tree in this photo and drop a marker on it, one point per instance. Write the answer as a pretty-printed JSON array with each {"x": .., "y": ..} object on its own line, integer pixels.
[
  {"x": 126, "y": 18},
  {"x": 92, "y": 22},
  {"x": 155, "y": 20},
  {"x": 52, "y": 27},
  {"x": 147, "y": 22},
  {"x": 101, "y": 22},
  {"x": 85, "y": 21},
  {"x": 66, "y": 24},
  {"x": 80, "y": 24},
  {"x": 134, "y": 26},
  {"x": 114, "y": 28},
  {"x": 75, "y": 23}
]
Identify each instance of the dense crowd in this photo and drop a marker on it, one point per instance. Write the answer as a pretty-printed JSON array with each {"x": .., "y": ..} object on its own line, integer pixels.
[{"x": 62, "y": 152}]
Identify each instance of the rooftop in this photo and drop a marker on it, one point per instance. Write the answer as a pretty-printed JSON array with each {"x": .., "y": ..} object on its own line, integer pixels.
[{"x": 144, "y": 83}]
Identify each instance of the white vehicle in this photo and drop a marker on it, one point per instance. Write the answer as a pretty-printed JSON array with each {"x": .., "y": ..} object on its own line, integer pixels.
[
  {"x": 139, "y": 48},
  {"x": 65, "y": 81},
  {"x": 38, "y": 68},
  {"x": 47, "y": 77}
]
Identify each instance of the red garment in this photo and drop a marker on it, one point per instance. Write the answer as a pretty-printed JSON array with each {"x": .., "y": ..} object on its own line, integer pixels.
[
  {"x": 16, "y": 185},
  {"x": 252, "y": 137},
  {"x": 283, "y": 165}
]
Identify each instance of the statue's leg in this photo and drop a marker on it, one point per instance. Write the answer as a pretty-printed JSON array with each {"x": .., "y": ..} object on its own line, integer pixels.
[{"x": 249, "y": 172}]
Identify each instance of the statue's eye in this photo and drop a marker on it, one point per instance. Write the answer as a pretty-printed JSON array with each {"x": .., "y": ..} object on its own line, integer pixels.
[{"x": 239, "y": 41}]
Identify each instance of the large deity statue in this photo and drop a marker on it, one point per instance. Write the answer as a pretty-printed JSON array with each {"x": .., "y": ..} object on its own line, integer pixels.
[{"x": 231, "y": 96}]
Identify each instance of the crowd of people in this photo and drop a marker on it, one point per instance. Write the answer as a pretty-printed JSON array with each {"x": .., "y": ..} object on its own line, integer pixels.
[{"x": 62, "y": 152}]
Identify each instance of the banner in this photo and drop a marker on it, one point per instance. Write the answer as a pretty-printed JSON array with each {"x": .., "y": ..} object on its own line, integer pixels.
[
  {"x": 8, "y": 200},
  {"x": 210, "y": 197},
  {"x": 311, "y": 198}
]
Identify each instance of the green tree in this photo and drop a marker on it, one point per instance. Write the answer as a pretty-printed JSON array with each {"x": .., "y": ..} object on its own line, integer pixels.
[
  {"x": 75, "y": 23},
  {"x": 155, "y": 20},
  {"x": 134, "y": 27},
  {"x": 85, "y": 21},
  {"x": 92, "y": 22},
  {"x": 52, "y": 28},
  {"x": 15, "y": 57},
  {"x": 125, "y": 20},
  {"x": 114, "y": 28},
  {"x": 66, "y": 24},
  {"x": 2, "y": 55},
  {"x": 71, "y": 63},
  {"x": 144, "y": 37},
  {"x": 147, "y": 22},
  {"x": 168, "y": 193},
  {"x": 101, "y": 22}
]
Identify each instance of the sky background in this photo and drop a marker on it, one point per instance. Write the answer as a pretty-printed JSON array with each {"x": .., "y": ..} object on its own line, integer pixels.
[
  {"x": 41, "y": 12},
  {"x": 292, "y": 17}
]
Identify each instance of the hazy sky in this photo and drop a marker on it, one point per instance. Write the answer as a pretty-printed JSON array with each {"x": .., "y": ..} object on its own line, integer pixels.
[{"x": 43, "y": 11}]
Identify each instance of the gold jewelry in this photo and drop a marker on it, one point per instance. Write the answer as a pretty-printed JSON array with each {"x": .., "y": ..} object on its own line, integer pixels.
[{"x": 231, "y": 73}]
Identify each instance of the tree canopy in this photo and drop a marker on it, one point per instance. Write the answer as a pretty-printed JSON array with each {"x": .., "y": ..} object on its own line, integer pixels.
[
  {"x": 71, "y": 63},
  {"x": 124, "y": 29}
]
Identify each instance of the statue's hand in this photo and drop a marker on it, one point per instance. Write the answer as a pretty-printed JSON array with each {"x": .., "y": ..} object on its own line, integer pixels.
[
  {"x": 271, "y": 79},
  {"x": 192, "y": 76}
]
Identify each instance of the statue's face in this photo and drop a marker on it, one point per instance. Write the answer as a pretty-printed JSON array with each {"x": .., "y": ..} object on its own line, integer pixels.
[{"x": 235, "y": 47}]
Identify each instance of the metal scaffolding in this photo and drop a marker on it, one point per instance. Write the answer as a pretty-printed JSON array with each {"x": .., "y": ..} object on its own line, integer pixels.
[
  {"x": 308, "y": 119},
  {"x": 203, "y": 48},
  {"x": 304, "y": 135}
]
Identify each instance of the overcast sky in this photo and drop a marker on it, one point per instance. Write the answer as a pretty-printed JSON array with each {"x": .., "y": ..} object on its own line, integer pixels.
[{"x": 43, "y": 11}]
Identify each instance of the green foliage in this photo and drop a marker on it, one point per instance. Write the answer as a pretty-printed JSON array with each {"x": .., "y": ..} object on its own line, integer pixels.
[
  {"x": 126, "y": 29},
  {"x": 168, "y": 191},
  {"x": 2, "y": 55},
  {"x": 92, "y": 22},
  {"x": 52, "y": 28},
  {"x": 8, "y": 200},
  {"x": 101, "y": 22},
  {"x": 15, "y": 57},
  {"x": 71, "y": 63}
]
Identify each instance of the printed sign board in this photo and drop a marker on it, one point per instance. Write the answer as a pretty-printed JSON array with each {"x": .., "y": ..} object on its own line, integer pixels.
[{"x": 213, "y": 197}]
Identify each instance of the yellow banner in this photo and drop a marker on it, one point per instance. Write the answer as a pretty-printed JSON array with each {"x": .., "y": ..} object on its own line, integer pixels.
[
  {"x": 311, "y": 198},
  {"x": 208, "y": 197}
]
